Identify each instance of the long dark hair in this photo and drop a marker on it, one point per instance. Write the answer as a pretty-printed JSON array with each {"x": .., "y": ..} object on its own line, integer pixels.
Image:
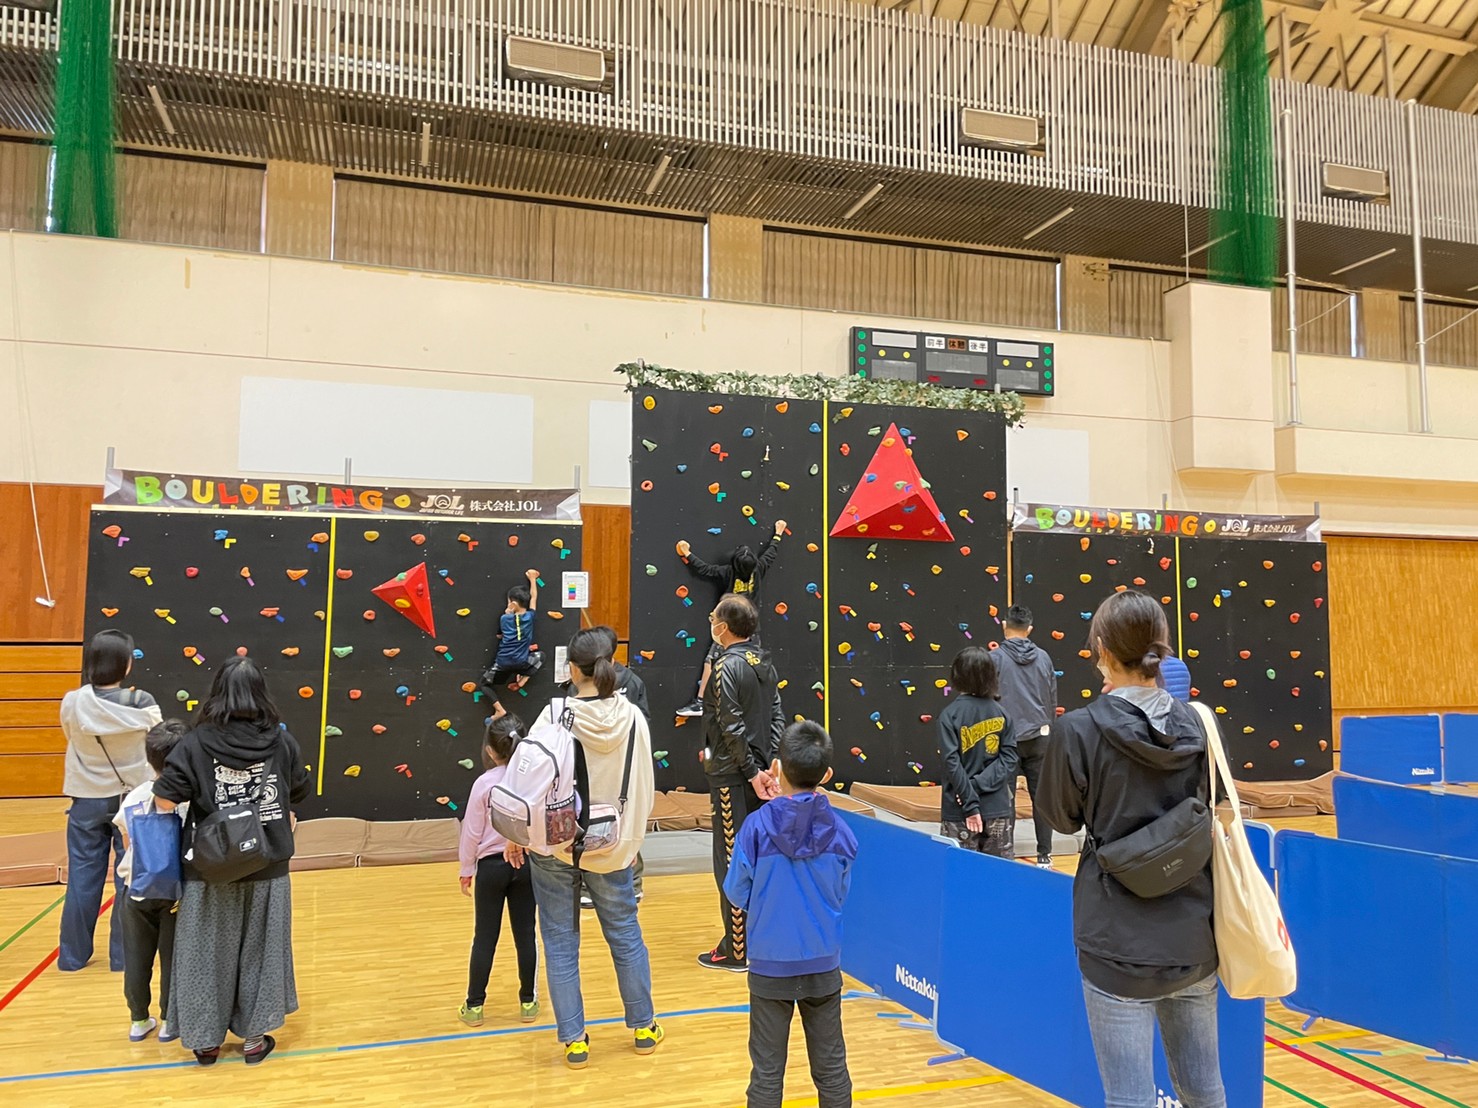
[
  {"x": 743, "y": 562},
  {"x": 589, "y": 652},
  {"x": 1133, "y": 631},
  {"x": 239, "y": 693},
  {"x": 107, "y": 658}
]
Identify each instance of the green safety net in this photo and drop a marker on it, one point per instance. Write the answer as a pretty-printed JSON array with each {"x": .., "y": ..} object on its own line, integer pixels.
[
  {"x": 1244, "y": 228},
  {"x": 84, "y": 187}
]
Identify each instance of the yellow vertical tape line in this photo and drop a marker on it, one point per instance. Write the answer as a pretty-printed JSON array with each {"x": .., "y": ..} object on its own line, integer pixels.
[
  {"x": 328, "y": 640},
  {"x": 1179, "y": 606},
  {"x": 825, "y": 563}
]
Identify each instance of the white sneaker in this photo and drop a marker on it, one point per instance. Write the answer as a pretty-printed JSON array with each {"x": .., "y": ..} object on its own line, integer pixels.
[
  {"x": 168, "y": 1033},
  {"x": 139, "y": 1030}
]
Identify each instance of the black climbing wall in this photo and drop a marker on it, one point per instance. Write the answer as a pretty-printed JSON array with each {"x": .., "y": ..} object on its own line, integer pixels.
[
  {"x": 374, "y": 658},
  {"x": 788, "y": 459},
  {"x": 1267, "y": 601},
  {"x": 1275, "y": 713}
]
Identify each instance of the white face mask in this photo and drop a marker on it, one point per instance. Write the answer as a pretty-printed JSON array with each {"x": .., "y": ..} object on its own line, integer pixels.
[{"x": 713, "y": 633}]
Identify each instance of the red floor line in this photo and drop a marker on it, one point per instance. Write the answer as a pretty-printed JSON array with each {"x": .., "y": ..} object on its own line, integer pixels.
[
  {"x": 44, "y": 965},
  {"x": 1343, "y": 1073}
]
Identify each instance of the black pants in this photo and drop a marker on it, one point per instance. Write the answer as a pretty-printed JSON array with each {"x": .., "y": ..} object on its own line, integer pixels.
[
  {"x": 733, "y": 800},
  {"x": 769, "y": 1044},
  {"x": 497, "y": 884},
  {"x": 1031, "y": 754},
  {"x": 148, "y": 932}
]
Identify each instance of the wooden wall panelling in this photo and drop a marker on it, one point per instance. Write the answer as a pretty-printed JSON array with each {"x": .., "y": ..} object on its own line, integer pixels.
[
  {"x": 63, "y": 510},
  {"x": 607, "y": 555},
  {"x": 33, "y": 679},
  {"x": 30, "y": 775}
]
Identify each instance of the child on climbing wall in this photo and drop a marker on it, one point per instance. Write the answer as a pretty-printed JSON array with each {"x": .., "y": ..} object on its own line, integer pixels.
[
  {"x": 740, "y": 572},
  {"x": 978, "y": 808},
  {"x": 516, "y": 661},
  {"x": 493, "y": 884}
]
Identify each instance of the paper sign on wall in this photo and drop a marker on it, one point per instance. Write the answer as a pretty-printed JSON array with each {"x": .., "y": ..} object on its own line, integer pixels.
[
  {"x": 561, "y": 664},
  {"x": 576, "y": 587}
]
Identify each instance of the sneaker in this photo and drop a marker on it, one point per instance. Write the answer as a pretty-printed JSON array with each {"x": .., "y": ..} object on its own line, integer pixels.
[
  {"x": 536, "y": 662},
  {"x": 586, "y": 902},
  {"x": 1044, "y": 861},
  {"x": 639, "y": 895},
  {"x": 472, "y": 1017},
  {"x": 577, "y": 1054},
  {"x": 139, "y": 1030},
  {"x": 688, "y": 711},
  {"x": 528, "y": 1012},
  {"x": 648, "y": 1039},
  {"x": 168, "y": 1033},
  {"x": 258, "y": 1056},
  {"x": 721, "y": 960}
]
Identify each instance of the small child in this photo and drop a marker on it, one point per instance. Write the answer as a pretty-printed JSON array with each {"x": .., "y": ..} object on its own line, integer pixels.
[
  {"x": 498, "y": 883},
  {"x": 791, "y": 870},
  {"x": 978, "y": 808},
  {"x": 516, "y": 660},
  {"x": 148, "y": 924}
]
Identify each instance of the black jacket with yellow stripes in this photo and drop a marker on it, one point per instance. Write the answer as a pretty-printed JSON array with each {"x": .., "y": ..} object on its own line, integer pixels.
[{"x": 742, "y": 716}]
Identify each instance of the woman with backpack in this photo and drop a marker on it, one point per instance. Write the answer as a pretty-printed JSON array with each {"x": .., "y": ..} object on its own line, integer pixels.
[
  {"x": 105, "y": 725},
  {"x": 613, "y": 771},
  {"x": 1131, "y": 769},
  {"x": 239, "y": 768}
]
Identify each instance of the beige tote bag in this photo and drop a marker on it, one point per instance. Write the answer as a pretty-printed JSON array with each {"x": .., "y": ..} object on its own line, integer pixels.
[{"x": 1252, "y": 943}]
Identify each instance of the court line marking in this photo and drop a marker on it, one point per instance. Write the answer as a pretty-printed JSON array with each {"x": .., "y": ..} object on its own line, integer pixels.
[
  {"x": 1371, "y": 1085},
  {"x": 39, "y": 917},
  {"x": 888, "y": 1092},
  {"x": 1293, "y": 1092},
  {"x": 1394, "y": 1076},
  {"x": 45, "y": 963}
]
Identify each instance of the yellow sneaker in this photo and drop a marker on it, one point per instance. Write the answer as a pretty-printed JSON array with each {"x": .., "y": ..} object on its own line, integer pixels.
[
  {"x": 472, "y": 1017},
  {"x": 577, "y": 1054},
  {"x": 648, "y": 1039}
]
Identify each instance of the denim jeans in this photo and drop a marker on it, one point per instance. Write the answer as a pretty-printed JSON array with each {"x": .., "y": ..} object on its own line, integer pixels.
[
  {"x": 1124, "y": 1040},
  {"x": 90, "y": 836},
  {"x": 559, "y": 919}
]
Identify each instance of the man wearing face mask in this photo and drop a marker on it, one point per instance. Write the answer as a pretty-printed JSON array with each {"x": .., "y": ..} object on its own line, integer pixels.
[{"x": 742, "y": 723}]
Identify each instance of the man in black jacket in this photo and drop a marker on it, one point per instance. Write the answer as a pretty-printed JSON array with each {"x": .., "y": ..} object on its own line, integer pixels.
[
  {"x": 1029, "y": 696},
  {"x": 742, "y": 722}
]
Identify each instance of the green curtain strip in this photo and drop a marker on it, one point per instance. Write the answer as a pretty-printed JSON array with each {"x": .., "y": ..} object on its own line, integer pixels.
[
  {"x": 1347, "y": 1056},
  {"x": 1244, "y": 229},
  {"x": 84, "y": 186}
]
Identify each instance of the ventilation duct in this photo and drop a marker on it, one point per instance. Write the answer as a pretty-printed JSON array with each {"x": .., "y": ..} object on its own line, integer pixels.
[{"x": 555, "y": 63}]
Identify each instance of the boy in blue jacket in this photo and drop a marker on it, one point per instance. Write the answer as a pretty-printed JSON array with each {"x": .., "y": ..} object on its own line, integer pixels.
[{"x": 791, "y": 870}]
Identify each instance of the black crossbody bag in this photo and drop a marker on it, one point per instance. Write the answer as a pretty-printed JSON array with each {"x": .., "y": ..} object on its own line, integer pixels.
[
  {"x": 229, "y": 844},
  {"x": 1163, "y": 855}
]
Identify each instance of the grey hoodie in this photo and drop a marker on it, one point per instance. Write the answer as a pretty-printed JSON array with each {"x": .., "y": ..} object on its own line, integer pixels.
[
  {"x": 102, "y": 727},
  {"x": 1028, "y": 687}
]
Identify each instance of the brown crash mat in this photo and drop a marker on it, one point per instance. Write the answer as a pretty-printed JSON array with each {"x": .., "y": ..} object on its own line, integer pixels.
[
  {"x": 671, "y": 815},
  {"x": 1289, "y": 798},
  {"x": 919, "y": 803}
]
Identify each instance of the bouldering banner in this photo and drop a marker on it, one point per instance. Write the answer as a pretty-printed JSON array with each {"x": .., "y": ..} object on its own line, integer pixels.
[
  {"x": 1071, "y": 519},
  {"x": 174, "y": 490}
]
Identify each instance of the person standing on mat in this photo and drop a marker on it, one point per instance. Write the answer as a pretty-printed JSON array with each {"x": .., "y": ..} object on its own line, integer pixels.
[
  {"x": 105, "y": 725},
  {"x": 1112, "y": 768},
  {"x": 742, "y": 722},
  {"x": 740, "y": 573},
  {"x": 1028, "y": 681}
]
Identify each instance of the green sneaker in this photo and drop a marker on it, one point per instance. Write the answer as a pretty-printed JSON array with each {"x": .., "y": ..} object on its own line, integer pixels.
[
  {"x": 577, "y": 1054},
  {"x": 472, "y": 1017},
  {"x": 648, "y": 1039},
  {"x": 528, "y": 1013}
]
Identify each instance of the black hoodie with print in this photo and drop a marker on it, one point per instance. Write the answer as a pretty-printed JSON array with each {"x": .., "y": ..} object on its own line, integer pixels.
[
  {"x": 214, "y": 767},
  {"x": 1109, "y": 769}
]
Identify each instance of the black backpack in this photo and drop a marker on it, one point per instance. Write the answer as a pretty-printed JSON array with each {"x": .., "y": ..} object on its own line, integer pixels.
[{"x": 229, "y": 844}]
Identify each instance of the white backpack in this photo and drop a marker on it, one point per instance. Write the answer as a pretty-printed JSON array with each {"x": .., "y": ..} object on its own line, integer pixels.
[{"x": 534, "y": 805}]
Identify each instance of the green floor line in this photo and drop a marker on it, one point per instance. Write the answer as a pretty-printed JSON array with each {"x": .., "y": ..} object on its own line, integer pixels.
[
  {"x": 1347, "y": 1056},
  {"x": 1294, "y": 1093},
  {"x": 43, "y": 914}
]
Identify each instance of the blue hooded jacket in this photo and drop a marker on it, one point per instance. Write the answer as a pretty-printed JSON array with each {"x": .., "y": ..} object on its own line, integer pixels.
[
  {"x": 1175, "y": 677},
  {"x": 791, "y": 870}
]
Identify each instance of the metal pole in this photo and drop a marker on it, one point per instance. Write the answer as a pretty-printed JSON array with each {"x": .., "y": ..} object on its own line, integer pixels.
[
  {"x": 348, "y": 471},
  {"x": 1295, "y": 415},
  {"x": 1416, "y": 258}
]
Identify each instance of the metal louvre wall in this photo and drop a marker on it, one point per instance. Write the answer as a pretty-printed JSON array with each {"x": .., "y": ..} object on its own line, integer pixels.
[{"x": 863, "y": 94}]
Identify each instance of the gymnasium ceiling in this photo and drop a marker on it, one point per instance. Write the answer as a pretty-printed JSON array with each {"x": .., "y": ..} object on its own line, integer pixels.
[{"x": 1431, "y": 46}]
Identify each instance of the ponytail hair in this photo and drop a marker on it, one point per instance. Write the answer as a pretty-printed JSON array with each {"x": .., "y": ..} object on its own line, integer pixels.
[
  {"x": 1133, "y": 630},
  {"x": 589, "y": 653}
]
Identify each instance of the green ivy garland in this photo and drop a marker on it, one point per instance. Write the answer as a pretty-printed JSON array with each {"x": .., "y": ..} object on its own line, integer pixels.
[{"x": 815, "y": 386}]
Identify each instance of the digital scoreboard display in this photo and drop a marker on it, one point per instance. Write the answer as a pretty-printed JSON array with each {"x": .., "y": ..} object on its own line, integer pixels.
[{"x": 954, "y": 361}]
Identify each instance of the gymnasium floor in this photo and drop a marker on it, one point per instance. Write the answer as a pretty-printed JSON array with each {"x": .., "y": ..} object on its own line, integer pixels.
[{"x": 381, "y": 962}]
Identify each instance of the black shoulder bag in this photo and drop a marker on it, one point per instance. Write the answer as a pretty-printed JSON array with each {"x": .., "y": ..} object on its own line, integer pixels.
[
  {"x": 1163, "y": 855},
  {"x": 229, "y": 844}
]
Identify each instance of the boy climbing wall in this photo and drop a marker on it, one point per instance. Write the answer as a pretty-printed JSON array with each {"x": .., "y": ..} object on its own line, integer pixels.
[{"x": 516, "y": 661}]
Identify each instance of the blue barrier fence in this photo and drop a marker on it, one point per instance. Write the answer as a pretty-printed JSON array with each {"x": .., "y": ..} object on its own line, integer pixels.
[
  {"x": 1406, "y": 750},
  {"x": 987, "y": 938},
  {"x": 1460, "y": 748},
  {"x": 1405, "y": 818},
  {"x": 1383, "y": 938}
]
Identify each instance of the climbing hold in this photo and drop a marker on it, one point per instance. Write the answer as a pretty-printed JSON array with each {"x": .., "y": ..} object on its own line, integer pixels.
[
  {"x": 936, "y": 569},
  {"x": 270, "y": 613},
  {"x": 1272, "y": 675},
  {"x": 306, "y": 692},
  {"x": 991, "y": 494},
  {"x": 343, "y": 574},
  {"x": 1195, "y": 616},
  {"x": 1085, "y": 542},
  {"x": 379, "y": 729},
  {"x": 182, "y": 696},
  {"x": 163, "y": 613},
  {"x": 351, "y": 771},
  {"x": 1244, "y": 654},
  {"x": 1230, "y": 683},
  {"x": 815, "y": 428},
  {"x": 1318, "y": 567},
  {"x": 355, "y": 694},
  {"x": 464, "y": 612},
  {"x": 343, "y": 651},
  {"x": 1057, "y": 598},
  {"x": 815, "y": 469},
  {"x": 246, "y": 576},
  {"x": 189, "y": 652},
  {"x": 142, "y": 573},
  {"x": 1140, "y": 581},
  {"x": 292, "y": 574},
  {"x": 965, "y": 550},
  {"x": 1190, "y": 582},
  {"x": 1165, "y": 563},
  {"x": 748, "y": 432},
  {"x": 1295, "y": 654},
  {"x": 649, "y": 444},
  {"x": 783, "y": 407},
  {"x": 1267, "y": 565},
  {"x": 844, "y": 647},
  {"x": 109, "y": 612},
  {"x": 391, "y": 652},
  {"x": 1318, "y": 602},
  {"x": 1294, "y": 617},
  {"x": 1269, "y": 602},
  {"x": 554, "y": 615},
  {"x": 1085, "y": 577},
  {"x": 192, "y": 572},
  {"x": 371, "y": 536},
  {"x": 651, "y": 570},
  {"x": 331, "y": 732},
  {"x": 962, "y": 435},
  {"x": 1058, "y": 635},
  {"x": 287, "y": 651},
  {"x": 369, "y": 615}
]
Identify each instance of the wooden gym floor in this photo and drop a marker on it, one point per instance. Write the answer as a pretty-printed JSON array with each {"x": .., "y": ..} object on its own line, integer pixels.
[{"x": 381, "y": 963}]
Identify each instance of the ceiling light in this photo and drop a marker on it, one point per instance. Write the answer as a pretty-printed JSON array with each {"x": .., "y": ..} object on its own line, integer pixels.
[
  {"x": 425, "y": 142},
  {"x": 864, "y": 200},
  {"x": 1035, "y": 231},
  {"x": 1363, "y": 261},
  {"x": 658, "y": 172},
  {"x": 1208, "y": 245},
  {"x": 160, "y": 110}
]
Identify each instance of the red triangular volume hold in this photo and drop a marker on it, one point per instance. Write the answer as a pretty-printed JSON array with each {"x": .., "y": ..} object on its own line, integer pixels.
[
  {"x": 409, "y": 593},
  {"x": 891, "y": 501}
]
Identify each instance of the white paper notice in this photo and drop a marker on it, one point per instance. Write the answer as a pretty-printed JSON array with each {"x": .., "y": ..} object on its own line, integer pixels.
[{"x": 576, "y": 588}]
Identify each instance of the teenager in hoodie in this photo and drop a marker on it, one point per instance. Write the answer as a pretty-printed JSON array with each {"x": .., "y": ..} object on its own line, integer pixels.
[
  {"x": 791, "y": 871},
  {"x": 606, "y": 726},
  {"x": 233, "y": 955},
  {"x": 742, "y": 722},
  {"x": 1112, "y": 768},
  {"x": 105, "y": 725},
  {"x": 740, "y": 573},
  {"x": 1029, "y": 696}
]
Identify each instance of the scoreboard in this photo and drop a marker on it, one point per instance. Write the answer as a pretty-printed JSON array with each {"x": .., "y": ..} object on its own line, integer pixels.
[{"x": 954, "y": 361}]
